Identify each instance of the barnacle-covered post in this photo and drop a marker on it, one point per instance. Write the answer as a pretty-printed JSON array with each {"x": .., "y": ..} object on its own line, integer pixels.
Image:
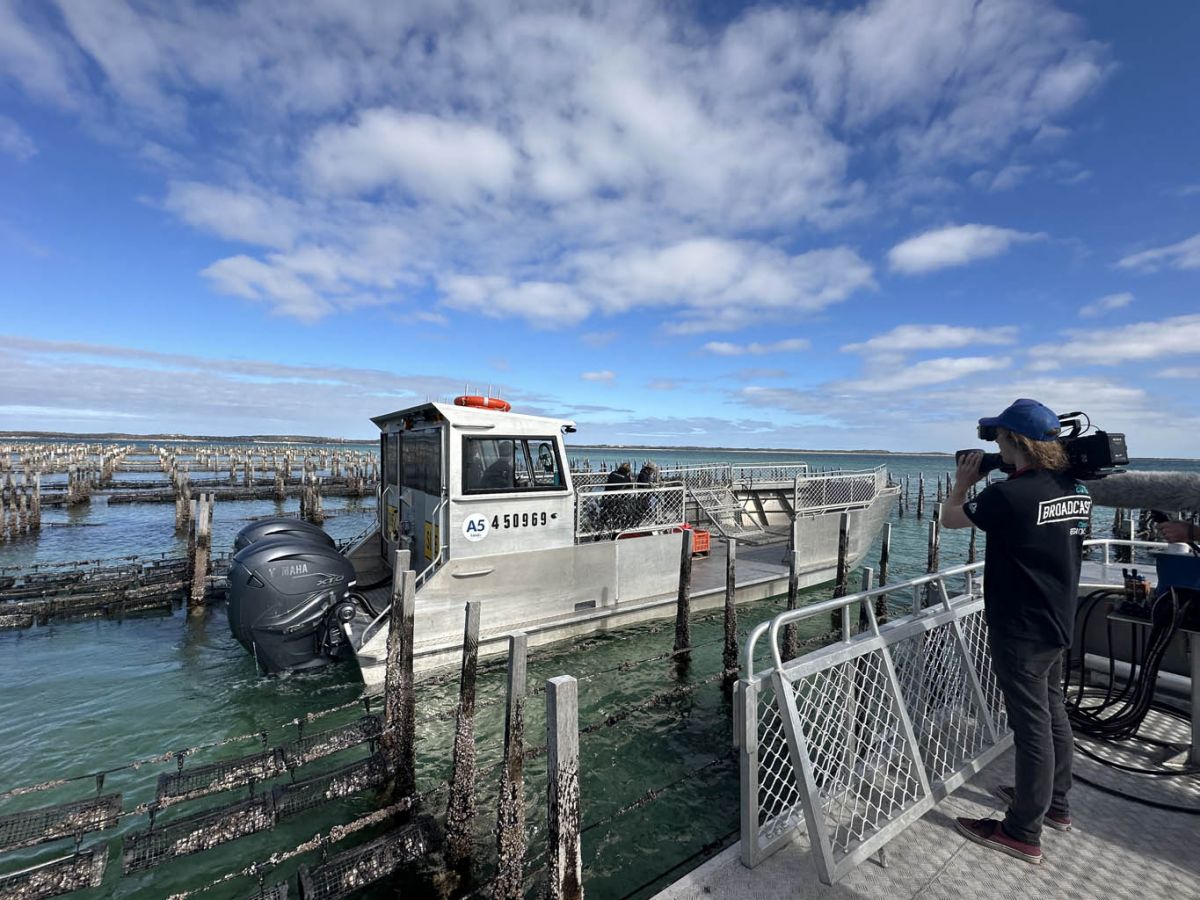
[
  {"x": 562, "y": 789},
  {"x": 399, "y": 715},
  {"x": 683, "y": 601},
  {"x": 790, "y": 646},
  {"x": 729, "y": 656},
  {"x": 201, "y": 545},
  {"x": 921, "y": 495},
  {"x": 460, "y": 811},
  {"x": 843, "y": 570},
  {"x": 510, "y": 816},
  {"x": 885, "y": 553}
]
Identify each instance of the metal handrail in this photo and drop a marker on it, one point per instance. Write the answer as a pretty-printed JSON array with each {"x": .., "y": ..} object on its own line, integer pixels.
[{"x": 825, "y": 606}]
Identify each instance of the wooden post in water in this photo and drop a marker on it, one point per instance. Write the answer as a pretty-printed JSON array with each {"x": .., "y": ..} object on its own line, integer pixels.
[
  {"x": 565, "y": 881},
  {"x": 933, "y": 560},
  {"x": 460, "y": 811},
  {"x": 793, "y": 589},
  {"x": 399, "y": 697},
  {"x": 839, "y": 584},
  {"x": 885, "y": 553},
  {"x": 729, "y": 655},
  {"x": 201, "y": 545},
  {"x": 971, "y": 546},
  {"x": 510, "y": 815},
  {"x": 683, "y": 604},
  {"x": 920, "y": 496}
]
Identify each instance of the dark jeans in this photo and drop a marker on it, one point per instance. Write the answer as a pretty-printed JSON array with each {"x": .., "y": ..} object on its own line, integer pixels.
[{"x": 1030, "y": 676}]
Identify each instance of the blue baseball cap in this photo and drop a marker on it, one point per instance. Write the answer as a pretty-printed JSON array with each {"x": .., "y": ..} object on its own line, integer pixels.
[{"x": 1027, "y": 417}]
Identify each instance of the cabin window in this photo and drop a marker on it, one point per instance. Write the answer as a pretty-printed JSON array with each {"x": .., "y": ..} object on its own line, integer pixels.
[
  {"x": 391, "y": 458},
  {"x": 422, "y": 461},
  {"x": 510, "y": 464}
]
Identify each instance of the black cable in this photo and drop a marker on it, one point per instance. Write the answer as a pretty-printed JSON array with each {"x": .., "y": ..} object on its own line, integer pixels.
[
  {"x": 1169, "y": 807},
  {"x": 1136, "y": 770}
]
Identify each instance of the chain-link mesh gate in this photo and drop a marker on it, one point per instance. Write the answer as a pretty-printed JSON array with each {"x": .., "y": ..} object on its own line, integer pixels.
[
  {"x": 601, "y": 513},
  {"x": 862, "y": 737}
]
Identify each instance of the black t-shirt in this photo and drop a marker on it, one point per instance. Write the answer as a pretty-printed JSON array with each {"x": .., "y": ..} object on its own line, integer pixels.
[{"x": 1035, "y": 523}]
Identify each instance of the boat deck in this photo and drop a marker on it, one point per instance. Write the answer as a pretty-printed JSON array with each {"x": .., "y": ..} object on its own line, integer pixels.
[{"x": 1117, "y": 849}]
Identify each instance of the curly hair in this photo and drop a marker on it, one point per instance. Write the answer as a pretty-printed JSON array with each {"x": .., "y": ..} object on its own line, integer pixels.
[{"x": 1047, "y": 455}]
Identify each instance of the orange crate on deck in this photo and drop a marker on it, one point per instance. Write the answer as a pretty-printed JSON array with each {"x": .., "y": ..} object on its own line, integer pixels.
[{"x": 701, "y": 541}]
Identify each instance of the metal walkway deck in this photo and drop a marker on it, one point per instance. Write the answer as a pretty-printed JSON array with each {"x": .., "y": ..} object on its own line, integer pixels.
[{"x": 1118, "y": 850}]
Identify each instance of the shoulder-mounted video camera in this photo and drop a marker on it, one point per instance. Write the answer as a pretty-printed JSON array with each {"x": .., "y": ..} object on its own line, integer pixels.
[{"x": 1089, "y": 456}]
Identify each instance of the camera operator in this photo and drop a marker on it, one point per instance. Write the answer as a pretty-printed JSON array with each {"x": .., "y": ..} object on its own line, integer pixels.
[{"x": 1035, "y": 523}]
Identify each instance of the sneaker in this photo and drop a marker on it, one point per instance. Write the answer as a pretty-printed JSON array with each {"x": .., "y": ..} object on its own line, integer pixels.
[
  {"x": 990, "y": 833},
  {"x": 1057, "y": 821}
]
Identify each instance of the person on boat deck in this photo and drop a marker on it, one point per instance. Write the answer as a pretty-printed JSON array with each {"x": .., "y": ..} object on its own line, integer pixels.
[
  {"x": 1035, "y": 523},
  {"x": 614, "y": 510},
  {"x": 646, "y": 478}
]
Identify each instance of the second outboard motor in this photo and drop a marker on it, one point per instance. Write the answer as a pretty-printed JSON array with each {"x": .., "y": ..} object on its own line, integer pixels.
[
  {"x": 288, "y": 600},
  {"x": 281, "y": 525}
]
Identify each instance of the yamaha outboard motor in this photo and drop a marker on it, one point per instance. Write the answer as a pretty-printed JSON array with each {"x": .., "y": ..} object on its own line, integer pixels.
[
  {"x": 288, "y": 600},
  {"x": 281, "y": 525}
]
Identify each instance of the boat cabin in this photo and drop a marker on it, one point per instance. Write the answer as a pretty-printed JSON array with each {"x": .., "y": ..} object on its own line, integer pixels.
[{"x": 472, "y": 479}]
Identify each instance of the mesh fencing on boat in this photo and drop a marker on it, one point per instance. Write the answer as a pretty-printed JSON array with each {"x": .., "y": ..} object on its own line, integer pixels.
[
  {"x": 601, "y": 513},
  {"x": 816, "y": 493}
]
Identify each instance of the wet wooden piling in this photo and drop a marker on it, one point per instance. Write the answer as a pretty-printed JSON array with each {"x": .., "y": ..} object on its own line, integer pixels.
[
  {"x": 563, "y": 813},
  {"x": 885, "y": 553},
  {"x": 509, "y": 883},
  {"x": 840, "y": 580},
  {"x": 971, "y": 546},
  {"x": 921, "y": 496},
  {"x": 399, "y": 710},
  {"x": 201, "y": 549},
  {"x": 683, "y": 600},
  {"x": 729, "y": 654},
  {"x": 790, "y": 642},
  {"x": 460, "y": 810}
]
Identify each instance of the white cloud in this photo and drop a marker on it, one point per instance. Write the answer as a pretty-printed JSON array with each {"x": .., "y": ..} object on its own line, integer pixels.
[
  {"x": 14, "y": 141},
  {"x": 1009, "y": 177},
  {"x": 1186, "y": 372},
  {"x": 1106, "y": 304},
  {"x": 253, "y": 279},
  {"x": 954, "y": 245},
  {"x": 523, "y": 144},
  {"x": 1184, "y": 255},
  {"x": 240, "y": 215},
  {"x": 928, "y": 372},
  {"x": 604, "y": 376},
  {"x": 426, "y": 157},
  {"x": 788, "y": 345},
  {"x": 542, "y": 304},
  {"x": 1164, "y": 340},
  {"x": 907, "y": 338}
]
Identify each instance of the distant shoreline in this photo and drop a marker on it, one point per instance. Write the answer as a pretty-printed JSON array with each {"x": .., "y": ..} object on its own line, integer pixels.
[{"x": 571, "y": 448}]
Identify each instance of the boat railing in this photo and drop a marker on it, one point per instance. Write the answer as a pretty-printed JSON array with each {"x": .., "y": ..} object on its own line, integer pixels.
[
  {"x": 424, "y": 575},
  {"x": 815, "y": 494},
  {"x": 601, "y": 513}
]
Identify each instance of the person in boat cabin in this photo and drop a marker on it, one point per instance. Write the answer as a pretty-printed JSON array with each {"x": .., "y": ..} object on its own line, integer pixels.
[{"x": 1035, "y": 524}]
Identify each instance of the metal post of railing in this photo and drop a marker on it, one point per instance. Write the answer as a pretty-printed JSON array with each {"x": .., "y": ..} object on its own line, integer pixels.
[{"x": 563, "y": 812}]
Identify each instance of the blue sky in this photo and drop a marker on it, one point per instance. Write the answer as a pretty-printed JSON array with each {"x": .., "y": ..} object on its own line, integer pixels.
[{"x": 833, "y": 225}]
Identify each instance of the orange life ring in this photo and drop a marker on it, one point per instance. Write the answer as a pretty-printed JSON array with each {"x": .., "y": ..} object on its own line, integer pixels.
[{"x": 483, "y": 402}]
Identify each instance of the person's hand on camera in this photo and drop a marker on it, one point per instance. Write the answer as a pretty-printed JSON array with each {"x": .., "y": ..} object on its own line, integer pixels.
[
  {"x": 1178, "y": 532},
  {"x": 967, "y": 472}
]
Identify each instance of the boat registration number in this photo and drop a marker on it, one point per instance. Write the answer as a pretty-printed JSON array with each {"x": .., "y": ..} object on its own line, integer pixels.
[{"x": 522, "y": 520}]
